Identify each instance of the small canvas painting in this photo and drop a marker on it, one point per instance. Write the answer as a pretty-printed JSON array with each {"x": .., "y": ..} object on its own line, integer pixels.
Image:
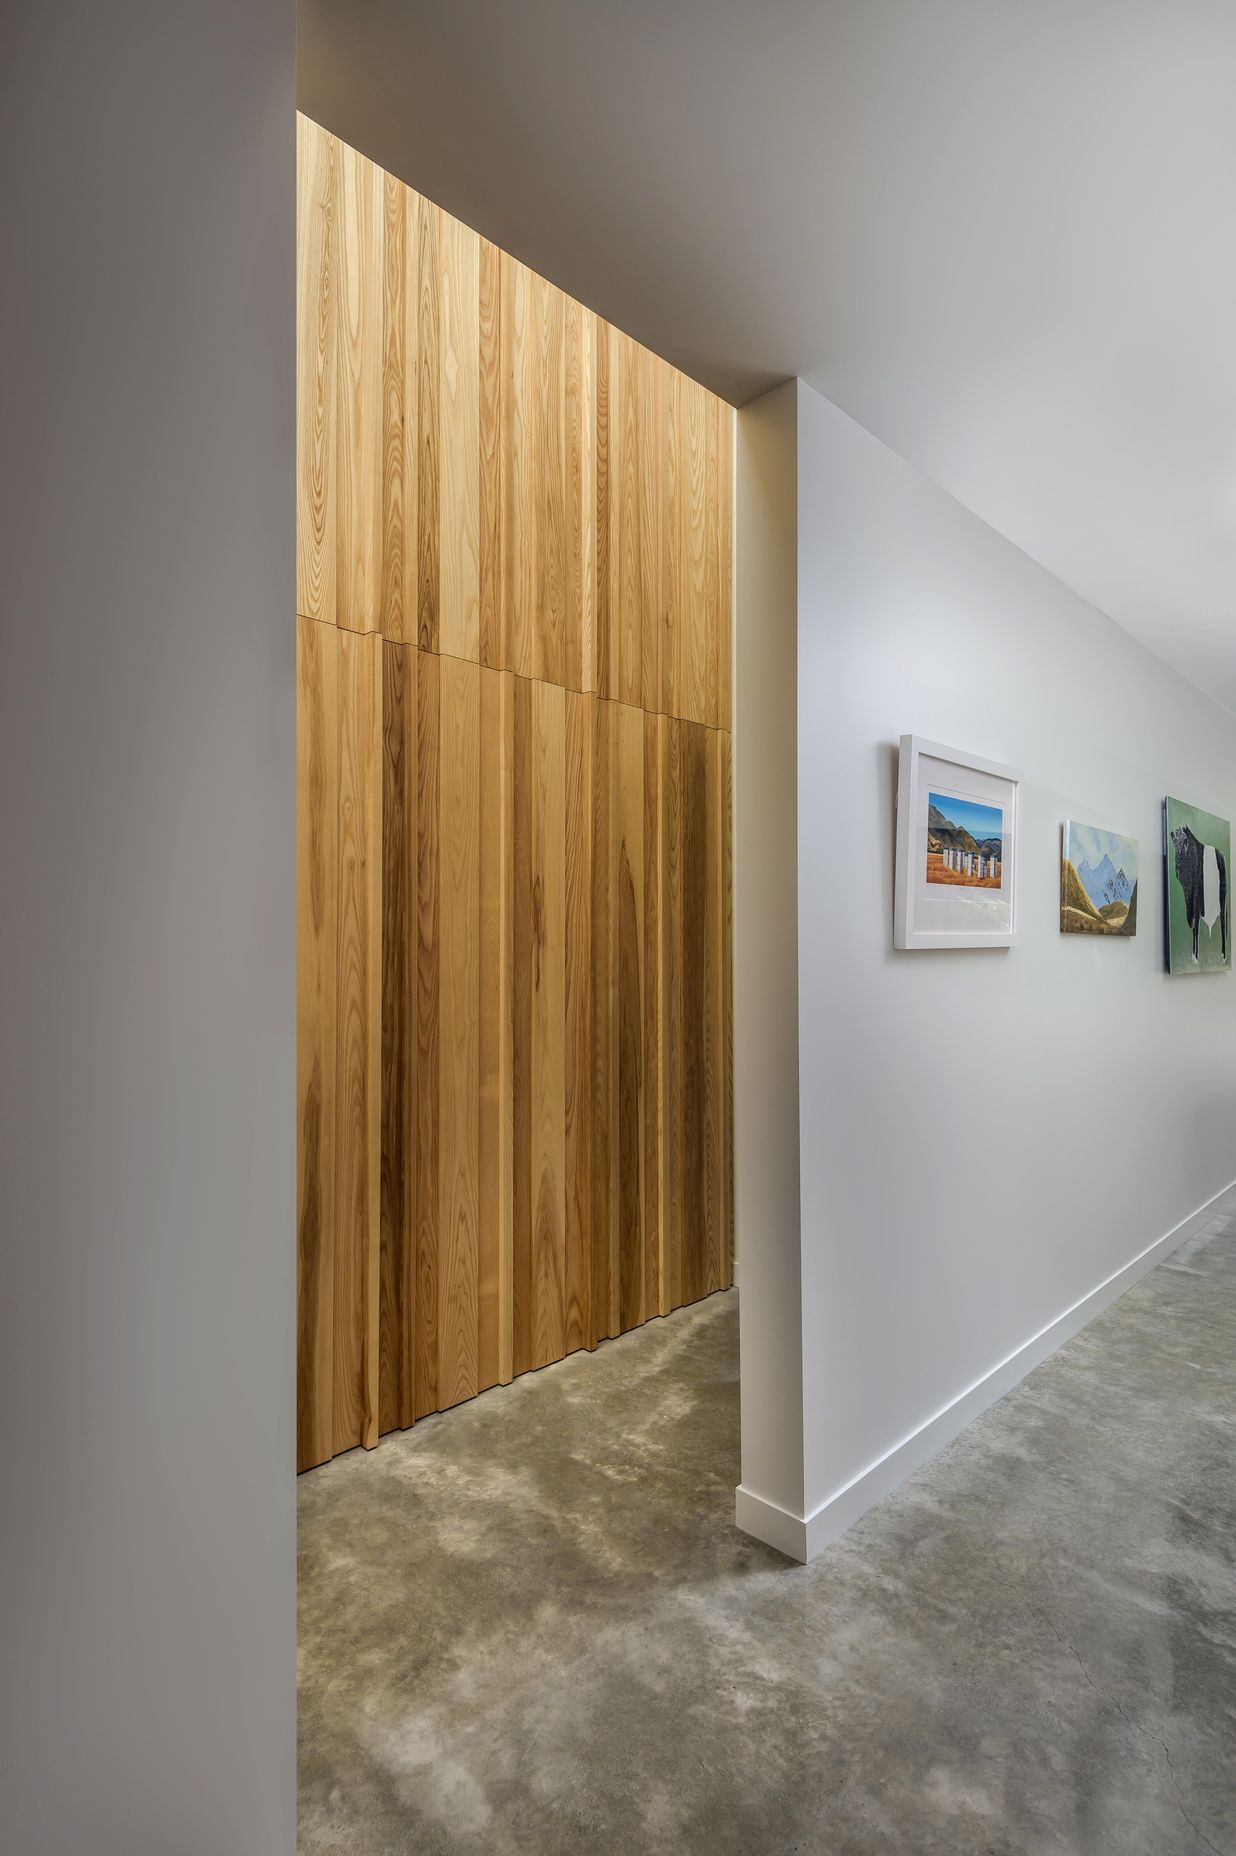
[
  {"x": 965, "y": 842},
  {"x": 1199, "y": 913},
  {"x": 1098, "y": 881}
]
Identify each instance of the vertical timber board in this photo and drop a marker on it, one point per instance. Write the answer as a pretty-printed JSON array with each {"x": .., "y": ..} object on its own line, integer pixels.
[
  {"x": 496, "y": 1025},
  {"x": 399, "y": 930},
  {"x": 459, "y": 1046},
  {"x": 629, "y": 939},
  {"x": 522, "y": 1310},
  {"x": 651, "y": 445},
  {"x": 671, "y": 502},
  {"x": 723, "y": 491},
  {"x": 603, "y": 1272},
  {"x": 626, "y": 556},
  {"x": 581, "y": 327},
  {"x": 714, "y": 1014},
  {"x": 396, "y": 279},
  {"x": 403, "y": 623},
  {"x": 317, "y": 387},
  {"x": 548, "y": 1117},
  {"x": 727, "y": 983},
  {"x": 672, "y": 944},
  {"x": 426, "y": 1159},
  {"x": 693, "y": 644},
  {"x": 317, "y": 749},
  {"x": 654, "y": 1016},
  {"x": 522, "y": 537},
  {"x": 694, "y": 886},
  {"x": 359, "y": 1043},
  {"x": 605, "y": 648},
  {"x": 552, "y": 515},
  {"x": 580, "y": 731},
  {"x": 459, "y": 433},
  {"x": 361, "y": 218},
  {"x": 494, "y": 404},
  {"x": 711, "y": 669},
  {"x": 428, "y": 423}
]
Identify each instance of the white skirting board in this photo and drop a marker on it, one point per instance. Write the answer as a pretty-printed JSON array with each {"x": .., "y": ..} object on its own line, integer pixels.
[{"x": 801, "y": 1537}]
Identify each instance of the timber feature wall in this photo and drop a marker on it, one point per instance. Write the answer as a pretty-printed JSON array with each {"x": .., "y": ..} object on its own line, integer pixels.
[{"x": 514, "y": 1035}]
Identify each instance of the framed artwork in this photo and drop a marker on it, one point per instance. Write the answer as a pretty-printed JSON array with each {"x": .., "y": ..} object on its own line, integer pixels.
[
  {"x": 1098, "y": 881},
  {"x": 956, "y": 849},
  {"x": 1198, "y": 860}
]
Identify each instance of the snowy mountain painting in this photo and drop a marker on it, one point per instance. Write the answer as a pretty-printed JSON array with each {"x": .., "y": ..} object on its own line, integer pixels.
[{"x": 1098, "y": 881}]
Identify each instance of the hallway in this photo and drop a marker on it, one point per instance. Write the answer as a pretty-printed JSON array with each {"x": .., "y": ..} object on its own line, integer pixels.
[{"x": 530, "y": 1626}]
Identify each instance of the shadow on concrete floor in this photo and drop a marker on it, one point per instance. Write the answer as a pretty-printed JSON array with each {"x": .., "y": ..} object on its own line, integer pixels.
[{"x": 529, "y": 1625}]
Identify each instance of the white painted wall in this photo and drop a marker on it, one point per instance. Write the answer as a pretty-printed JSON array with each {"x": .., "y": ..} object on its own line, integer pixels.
[
  {"x": 1098, "y": 1093},
  {"x": 766, "y": 1168},
  {"x": 147, "y": 843}
]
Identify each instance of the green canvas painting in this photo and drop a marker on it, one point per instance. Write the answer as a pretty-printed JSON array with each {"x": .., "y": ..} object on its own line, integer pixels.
[{"x": 1199, "y": 908}]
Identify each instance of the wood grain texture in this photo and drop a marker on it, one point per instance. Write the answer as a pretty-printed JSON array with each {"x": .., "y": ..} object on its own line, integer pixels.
[
  {"x": 626, "y": 513},
  {"x": 429, "y": 421},
  {"x": 399, "y": 1072},
  {"x": 427, "y": 1146},
  {"x": 487, "y": 469},
  {"x": 603, "y": 1262},
  {"x": 548, "y": 1014},
  {"x": 317, "y": 771},
  {"x": 522, "y": 1282},
  {"x": 361, "y": 221},
  {"x": 317, "y": 285},
  {"x": 396, "y": 376},
  {"x": 605, "y": 647},
  {"x": 577, "y": 980},
  {"x": 515, "y": 1058},
  {"x": 671, "y": 584},
  {"x": 693, "y": 556},
  {"x": 649, "y": 409},
  {"x": 545, "y": 952},
  {"x": 494, "y": 1269},
  {"x": 459, "y": 432},
  {"x": 713, "y": 939},
  {"x": 727, "y": 997},
  {"x": 655, "y": 727},
  {"x": 358, "y": 1049},
  {"x": 722, "y": 492},
  {"x": 673, "y": 1003},
  {"x": 630, "y": 1015},
  {"x": 521, "y": 537},
  {"x": 694, "y": 880},
  {"x": 551, "y": 658},
  {"x": 492, "y": 590},
  {"x": 581, "y": 490},
  {"x": 459, "y": 1045}
]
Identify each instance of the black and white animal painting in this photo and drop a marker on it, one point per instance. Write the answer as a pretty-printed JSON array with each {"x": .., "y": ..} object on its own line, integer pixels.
[{"x": 1201, "y": 870}]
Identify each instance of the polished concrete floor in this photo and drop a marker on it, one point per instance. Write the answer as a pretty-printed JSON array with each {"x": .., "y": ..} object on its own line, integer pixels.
[{"x": 529, "y": 1626}]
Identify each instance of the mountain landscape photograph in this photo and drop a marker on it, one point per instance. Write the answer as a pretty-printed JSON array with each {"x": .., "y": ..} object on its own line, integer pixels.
[
  {"x": 965, "y": 842},
  {"x": 1098, "y": 881}
]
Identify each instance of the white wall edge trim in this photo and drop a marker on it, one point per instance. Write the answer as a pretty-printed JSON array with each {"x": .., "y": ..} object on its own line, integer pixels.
[
  {"x": 775, "y": 1526},
  {"x": 802, "y": 1537}
]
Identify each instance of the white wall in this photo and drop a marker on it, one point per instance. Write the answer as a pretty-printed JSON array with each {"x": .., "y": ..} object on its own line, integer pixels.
[
  {"x": 766, "y": 1007},
  {"x": 147, "y": 1160},
  {"x": 1098, "y": 1094}
]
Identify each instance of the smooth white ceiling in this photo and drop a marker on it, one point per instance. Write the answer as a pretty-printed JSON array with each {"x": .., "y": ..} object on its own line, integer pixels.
[{"x": 1001, "y": 236}]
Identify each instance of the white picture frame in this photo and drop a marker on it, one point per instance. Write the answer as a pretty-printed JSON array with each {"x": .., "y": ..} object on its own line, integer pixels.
[{"x": 954, "y": 889}]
